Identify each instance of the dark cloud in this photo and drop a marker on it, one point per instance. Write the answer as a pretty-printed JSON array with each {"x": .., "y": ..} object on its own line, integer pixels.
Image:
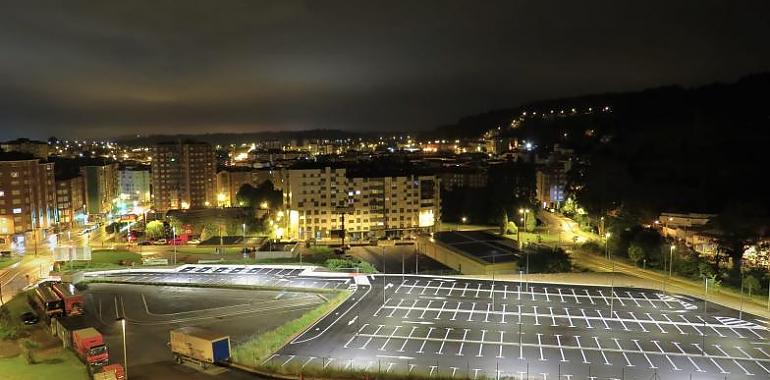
[{"x": 102, "y": 68}]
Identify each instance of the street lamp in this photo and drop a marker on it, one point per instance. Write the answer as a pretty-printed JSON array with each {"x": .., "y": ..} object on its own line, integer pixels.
[
  {"x": 173, "y": 229},
  {"x": 607, "y": 245},
  {"x": 125, "y": 356},
  {"x": 243, "y": 228}
]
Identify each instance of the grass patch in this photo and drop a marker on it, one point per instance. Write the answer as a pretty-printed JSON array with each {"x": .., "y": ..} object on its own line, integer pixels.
[
  {"x": 10, "y": 323},
  {"x": 206, "y": 250},
  {"x": 65, "y": 366},
  {"x": 104, "y": 259},
  {"x": 6, "y": 262},
  {"x": 253, "y": 352}
]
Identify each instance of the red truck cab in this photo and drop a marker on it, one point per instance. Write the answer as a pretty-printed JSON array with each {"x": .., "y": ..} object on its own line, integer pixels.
[
  {"x": 88, "y": 343},
  {"x": 111, "y": 372}
]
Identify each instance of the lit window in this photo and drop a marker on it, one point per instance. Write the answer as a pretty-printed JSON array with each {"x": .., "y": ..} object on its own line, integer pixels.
[
  {"x": 2, "y": 193},
  {"x": 17, "y": 211}
]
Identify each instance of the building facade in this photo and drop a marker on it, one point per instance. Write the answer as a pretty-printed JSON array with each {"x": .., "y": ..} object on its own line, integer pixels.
[
  {"x": 183, "y": 176},
  {"x": 134, "y": 183},
  {"x": 71, "y": 200},
  {"x": 39, "y": 149},
  {"x": 550, "y": 186},
  {"x": 27, "y": 197},
  {"x": 319, "y": 199},
  {"x": 101, "y": 187}
]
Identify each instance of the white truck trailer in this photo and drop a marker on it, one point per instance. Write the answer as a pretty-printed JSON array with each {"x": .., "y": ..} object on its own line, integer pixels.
[{"x": 199, "y": 346}]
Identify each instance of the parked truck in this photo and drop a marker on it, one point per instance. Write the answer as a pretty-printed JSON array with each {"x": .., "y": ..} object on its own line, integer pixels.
[
  {"x": 199, "y": 346},
  {"x": 86, "y": 341},
  {"x": 73, "y": 302}
]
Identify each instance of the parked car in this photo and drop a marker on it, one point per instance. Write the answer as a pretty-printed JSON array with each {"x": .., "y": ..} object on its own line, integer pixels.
[
  {"x": 30, "y": 318},
  {"x": 160, "y": 242},
  {"x": 193, "y": 241},
  {"x": 145, "y": 242}
]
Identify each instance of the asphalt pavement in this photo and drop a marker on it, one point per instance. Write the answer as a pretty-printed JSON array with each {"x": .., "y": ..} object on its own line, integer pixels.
[{"x": 438, "y": 326}]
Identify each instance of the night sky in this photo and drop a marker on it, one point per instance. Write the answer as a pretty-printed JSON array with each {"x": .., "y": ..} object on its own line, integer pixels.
[{"x": 109, "y": 68}]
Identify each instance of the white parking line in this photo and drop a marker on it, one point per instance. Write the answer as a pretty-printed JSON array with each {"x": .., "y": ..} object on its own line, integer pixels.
[
  {"x": 454, "y": 316},
  {"x": 582, "y": 353},
  {"x": 648, "y": 300},
  {"x": 440, "y": 284},
  {"x": 636, "y": 342},
  {"x": 430, "y": 330},
  {"x": 412, "y": 287},
  {"x": 663, "y": 353},
  {"x": 407, "y": 339},
  {"x": 465, "y": 289},
  {"x": 410, "y": 309},
  {"x": 382, "y": 348},
  {"x": 438, "y": 316},
  {"x": 617, "y": 297},
  {"x": 443, "y": 341},
  {"x": 604, "y": 298},
  {"x": 681, "y": 332},
  {"x": 599, "y": 346},
  {"x": 604, "y": 320},
  {"x": 656, "y": 323},
  {"x": 711, "y": 326},
  {"x": 503, "y": 320},
  {"x": 478, "y": 290},
  {"x": 462, "y": 343},
  {"x": 547, "y": 297},
  {"x": 734, "y": 361},
  {"x": 569, "y": 318},
  {"x": 560, "y": 295},
  {"x": 577, "y": 300},
  {"x": 505, "y": 292},
  {"x": 424, "y": 288},
  {"x": 622, "y": 351},
  {"x": 470, "y": 314},
  {"x": 500, "y": 353},
  {"x": 395, "y": 308},
  {"x": 422, "y": 316},
  {"x": 553, "y": 317},
  {"x": 697, "y": 368},
  {"x": 540, "y": 346},
  {"x": 585, "y": 318},
  {"x": 558, "y": 341},
  {"x": 638, "y": 322},
  {"x": 379, "y": 327},
  {"x": 749, "y": 357},
  {"x": 481, "y": 345},
  {"x": 451, "y": 289},
  {"x": 537, "y": 322},
  {"x": 589, "y": 297}
]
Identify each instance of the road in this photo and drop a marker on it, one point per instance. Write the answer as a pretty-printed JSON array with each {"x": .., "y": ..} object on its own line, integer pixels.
[{"x": 438, "y": 326}]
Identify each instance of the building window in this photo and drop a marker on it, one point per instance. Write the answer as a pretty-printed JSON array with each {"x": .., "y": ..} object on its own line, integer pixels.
[{"x": 17, "y": 210}]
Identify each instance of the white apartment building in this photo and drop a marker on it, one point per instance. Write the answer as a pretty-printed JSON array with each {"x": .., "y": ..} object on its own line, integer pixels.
[{"x": 373, "y": 206}]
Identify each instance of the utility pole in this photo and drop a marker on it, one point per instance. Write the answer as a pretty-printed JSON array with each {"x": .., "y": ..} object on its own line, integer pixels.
[{"x": 173, "y": 229}]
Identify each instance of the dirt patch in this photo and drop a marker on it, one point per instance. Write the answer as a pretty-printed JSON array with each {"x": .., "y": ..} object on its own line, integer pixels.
[
  {"x": 43, "y": 339},
  {"x": 9, "y": 349}
]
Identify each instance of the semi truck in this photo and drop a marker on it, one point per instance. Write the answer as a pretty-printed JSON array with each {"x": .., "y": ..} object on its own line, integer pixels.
[
  {"x": 73, "y": 302},
  {"x": 86, "y": 341},
  {"x": 199, "y": 346},
  {"x": 46, "y": 301}
]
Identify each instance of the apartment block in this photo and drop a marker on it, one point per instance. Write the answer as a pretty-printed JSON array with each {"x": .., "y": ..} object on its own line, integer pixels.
[
  {"x": 39, "y": 149},
  {"x": 373, "y": 205},
  {"x": 183, "y": 176},
  {"x": 134, "y": 183},
  {"x": 27, "y": 195},
  {"x": 70, "y": 199},
  {"x": 101, "y": 185}
]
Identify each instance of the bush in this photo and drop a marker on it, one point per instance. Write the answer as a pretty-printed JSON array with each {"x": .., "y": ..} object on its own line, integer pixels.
[{"x": 546, "y": 260}]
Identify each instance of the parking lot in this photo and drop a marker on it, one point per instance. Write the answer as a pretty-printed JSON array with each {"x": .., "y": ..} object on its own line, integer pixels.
[{"x": 460, "y": 328}]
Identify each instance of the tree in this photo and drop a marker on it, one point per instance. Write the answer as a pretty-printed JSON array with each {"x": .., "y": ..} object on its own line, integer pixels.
[
  {"x": 503, "y": 221},
  {"x": 530, "y": 222},
  {"x": 546, "y": 260},
  {"x": 155, "y": 230},
  {"x": 750, "y": 282},
  {"x": 636, "y": 254},
  {"x": 256, "y": 197}
]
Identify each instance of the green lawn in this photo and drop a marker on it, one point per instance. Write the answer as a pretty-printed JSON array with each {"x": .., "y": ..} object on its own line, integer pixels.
[
  {"x": 8, "y": 262},
  {"x": 105, "y": 259},
  {"x": 66, "y": 367}
]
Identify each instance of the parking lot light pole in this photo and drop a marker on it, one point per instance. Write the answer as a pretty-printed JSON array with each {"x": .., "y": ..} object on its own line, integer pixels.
[
  {"x": 243, "y": 229},
  {"x": 125, "y": 356},
  {"x": 402, "y": 267},
  {"x": 173, "y": 229}
]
